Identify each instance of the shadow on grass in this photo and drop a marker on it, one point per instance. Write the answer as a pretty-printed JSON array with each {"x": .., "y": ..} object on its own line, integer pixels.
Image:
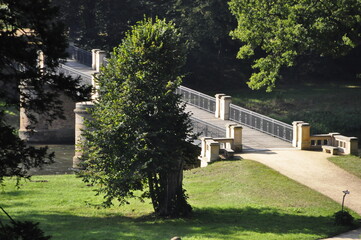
[{"x": 206, "y": 223}]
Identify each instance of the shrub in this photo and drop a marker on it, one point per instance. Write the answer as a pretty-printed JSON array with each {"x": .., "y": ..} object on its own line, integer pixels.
[{"x": 22, "y": 230}]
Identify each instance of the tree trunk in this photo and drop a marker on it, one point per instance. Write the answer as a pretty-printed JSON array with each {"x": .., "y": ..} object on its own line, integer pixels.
[{"x": 170, "y": 197}]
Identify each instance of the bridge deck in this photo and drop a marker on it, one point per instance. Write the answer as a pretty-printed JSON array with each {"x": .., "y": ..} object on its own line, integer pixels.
[
  {"x": 252, "y": 139},
  {"x": 80, "y": 67}
]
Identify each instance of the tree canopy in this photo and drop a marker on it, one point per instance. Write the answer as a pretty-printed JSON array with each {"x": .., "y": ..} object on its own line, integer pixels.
[
  {"x": 28, "y": 28},
  {"x": 204, "y": 24},
  {"x": 276, "y": 32},
  {"x": 140, "y": 138}
]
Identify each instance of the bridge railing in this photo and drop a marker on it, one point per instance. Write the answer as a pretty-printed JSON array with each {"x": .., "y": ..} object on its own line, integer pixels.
[
  {"x": 197, "y": 99},
  {"x": 261, "y": 123},
  {"x": 80, "y": 55},
  {"x": 69, "y": 71},
  {"x": 206, "y": 129},
  {"x": 192, "y": 97}
]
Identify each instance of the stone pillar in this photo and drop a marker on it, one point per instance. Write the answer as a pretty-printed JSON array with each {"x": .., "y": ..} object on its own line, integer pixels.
[
  {"x": 225, "y": 105},
  {"x": 95, "y": 91},
  {"x": 59, "y": 131},
  {"x": 204, "y": 146},
  {"x": 81, "y": 114},
  {"x": 41, "y": 59},
  {"x": 228, "y": 129},
  {"x": 354, "y": 146},
  {"x": 218, "y": 96},
  {"x": 333, "y": 140},
  {"x": 304, "y": 136},
  {"x": 212, "y": 153},
  {"x": 94, "y": 62},
  {"x": 236, "y": 134},
  {"x": 295, "y": 133},
  {"x": 99, "y": 59}
]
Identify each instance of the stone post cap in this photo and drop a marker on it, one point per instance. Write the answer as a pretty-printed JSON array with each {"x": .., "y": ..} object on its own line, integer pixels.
[
  {"x": 205, "y": 138},
  {"x": 101, "y": 51},
  {"x": 88, "y": 103},
  {"x": 237, "y": 126},
  {"x": 297, "y": 122},
  {"x": 304, "y": 124},
  {"x": 95, "y": 50},
  {"x": 226, "y": 97},
  {"x": 228, "y": 125},
  {"x": 83, "y": 106},
  {"x": 220, "y": 95},
  {"x": 211, "y": 142}
]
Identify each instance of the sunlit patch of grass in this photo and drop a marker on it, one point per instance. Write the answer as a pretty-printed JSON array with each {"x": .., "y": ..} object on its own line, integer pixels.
[{"x": 350, "y": 163}]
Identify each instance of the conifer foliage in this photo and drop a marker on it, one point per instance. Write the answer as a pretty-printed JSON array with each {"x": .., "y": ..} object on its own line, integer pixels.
[{"x": 27, "y": 28}]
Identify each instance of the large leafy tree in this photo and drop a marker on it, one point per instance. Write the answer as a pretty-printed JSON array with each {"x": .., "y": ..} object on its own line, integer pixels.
[
  {"x": 101, "y": 23},
  {"x": 27, "y": 28},
  {"x": 280, "y": 31},
  {"x": 140, "y": 137},
  {"x": 204, "y": 24}
]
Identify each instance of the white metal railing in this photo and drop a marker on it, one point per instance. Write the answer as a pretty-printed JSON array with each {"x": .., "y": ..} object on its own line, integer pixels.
[
  {"x": 206, "y": 129},
  {"x": 80, "y": 55},
  {"x": 261, "y": 123},
  {"x": 197, "y": 99},
  {"x": 69, "y": 71}
]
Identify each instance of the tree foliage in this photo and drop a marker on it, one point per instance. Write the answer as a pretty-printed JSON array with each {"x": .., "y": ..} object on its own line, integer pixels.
[
  {"x": 25, "y": 230},
  {"x": 102, "y": 23},
  {"x": 27, "y": 28},
  {"x": 16, "y": 158},
  {"x": 204, "y": 24},
  {"x": 283, "y": 30},
  {"x": 140, "y": 137}
]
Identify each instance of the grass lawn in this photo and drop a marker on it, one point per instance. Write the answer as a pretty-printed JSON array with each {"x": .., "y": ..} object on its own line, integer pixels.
[
  {"x": 331, "y": 107},
  {"x": 351, "y": 164},
  {"x": 232, "y": 200}
]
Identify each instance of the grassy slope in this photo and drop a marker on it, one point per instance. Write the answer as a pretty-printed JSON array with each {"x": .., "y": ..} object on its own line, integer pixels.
[
  {"x": 351, "y": 164},
  {"x": 232, "y": 200},
  {"x": 331, "y": 107}
]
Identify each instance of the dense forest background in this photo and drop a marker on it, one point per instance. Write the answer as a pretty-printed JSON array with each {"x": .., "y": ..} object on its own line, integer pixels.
[{"x": 205, "y": 24}]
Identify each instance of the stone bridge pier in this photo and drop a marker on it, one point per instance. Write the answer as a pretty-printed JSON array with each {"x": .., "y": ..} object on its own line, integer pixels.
[{"x": 59, "y": 131}]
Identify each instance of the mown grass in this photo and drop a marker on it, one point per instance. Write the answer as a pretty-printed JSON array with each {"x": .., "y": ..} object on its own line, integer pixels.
[
  {"x": 231, "y": 200},
  {"x": 328, "y": 107},
  {"x": 350, "y": 163}
]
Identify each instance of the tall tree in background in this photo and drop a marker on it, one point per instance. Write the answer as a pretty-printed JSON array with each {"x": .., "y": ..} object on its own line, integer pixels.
[
  {"x": 140, "y": 136},
  {"x": 101, "y": 23},
  {"x": 205, "y": 25},
  {"x": 28, "y": 27},
  {"x": 285, "y": 29}
]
